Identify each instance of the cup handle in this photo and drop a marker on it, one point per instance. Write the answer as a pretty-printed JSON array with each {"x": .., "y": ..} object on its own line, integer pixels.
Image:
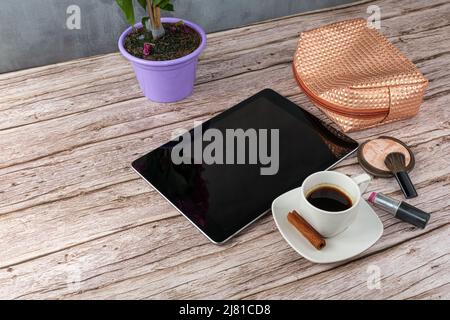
[{"x": 362, "y": 181}]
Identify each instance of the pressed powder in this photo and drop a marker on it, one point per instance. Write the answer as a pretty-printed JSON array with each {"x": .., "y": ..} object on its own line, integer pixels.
[
  {"x": 375, "y": 151},
  {"x": 372, "y": 154}
]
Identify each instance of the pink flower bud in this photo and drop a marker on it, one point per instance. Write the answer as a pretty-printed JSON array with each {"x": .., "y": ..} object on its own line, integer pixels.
[{"x": 147, "y": 49}]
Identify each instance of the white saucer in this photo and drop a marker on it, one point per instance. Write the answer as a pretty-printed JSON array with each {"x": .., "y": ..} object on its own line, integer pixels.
[{"x": 358, "y": 237}]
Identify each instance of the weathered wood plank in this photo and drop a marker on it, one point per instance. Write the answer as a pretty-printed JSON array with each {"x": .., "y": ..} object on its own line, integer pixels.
[
  {"x": 141, "y": 112},
  {"x": 169, "y": 258},
  {"x": 110, "y": 78},
  {"x": 119, "y": 131},
  {"x": 97, "y": 162},
  {"x": 406, "y": 270},
  {"x": 107, "y": 163},
  {"x": 100, "y": 124}
]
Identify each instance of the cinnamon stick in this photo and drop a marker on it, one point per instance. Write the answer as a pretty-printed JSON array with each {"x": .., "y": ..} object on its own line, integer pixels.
[{"x": 306, "y": 230}]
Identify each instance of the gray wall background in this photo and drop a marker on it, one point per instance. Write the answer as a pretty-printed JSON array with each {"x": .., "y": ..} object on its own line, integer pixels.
[{"x": 34, "y": 32}]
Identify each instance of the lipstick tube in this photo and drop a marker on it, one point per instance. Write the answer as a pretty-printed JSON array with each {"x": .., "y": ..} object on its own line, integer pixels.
[{"x": 400, "y": 209}]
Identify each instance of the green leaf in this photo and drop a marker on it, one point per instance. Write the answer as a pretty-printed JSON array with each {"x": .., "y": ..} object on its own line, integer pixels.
[
  {"x": 179, "y": 23},
  {"x": 144, "y": 22},
  {"x": 167, "y": 7},
  {"x": 143, "y": 3},
  {"x": 163, "y": 4},
  {"x": 128, "y": 10}
]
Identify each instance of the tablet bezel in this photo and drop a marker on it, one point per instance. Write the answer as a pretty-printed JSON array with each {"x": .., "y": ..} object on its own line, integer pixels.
[{"x": 271, "y": 95}]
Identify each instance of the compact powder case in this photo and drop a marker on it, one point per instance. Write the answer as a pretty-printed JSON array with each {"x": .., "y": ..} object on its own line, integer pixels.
[{"x": 372, "y": 154}]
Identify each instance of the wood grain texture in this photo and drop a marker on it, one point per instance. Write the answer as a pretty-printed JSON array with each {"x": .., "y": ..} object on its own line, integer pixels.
[{"x": 76, "y": 222}]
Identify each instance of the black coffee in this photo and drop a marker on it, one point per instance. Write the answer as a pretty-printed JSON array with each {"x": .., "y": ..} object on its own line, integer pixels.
[{"x": 329, "y": 198}]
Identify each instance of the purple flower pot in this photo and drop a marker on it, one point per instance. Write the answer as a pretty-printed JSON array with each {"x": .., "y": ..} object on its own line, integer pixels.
[{"x": 166, "y": 81}]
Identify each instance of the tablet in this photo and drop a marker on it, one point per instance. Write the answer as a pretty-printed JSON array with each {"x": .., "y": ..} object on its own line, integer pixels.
[{"x": 224, "y": 174}]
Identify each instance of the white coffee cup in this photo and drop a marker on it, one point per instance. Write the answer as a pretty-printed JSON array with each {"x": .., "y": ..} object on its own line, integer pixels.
[{"x": 331, "y": 223}]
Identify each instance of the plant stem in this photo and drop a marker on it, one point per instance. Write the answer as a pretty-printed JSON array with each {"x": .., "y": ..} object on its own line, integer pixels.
[
  {"x": 150, "y": 13},
  {"x": 154, "y": 14},
  {"x": 157, "y": 13}
]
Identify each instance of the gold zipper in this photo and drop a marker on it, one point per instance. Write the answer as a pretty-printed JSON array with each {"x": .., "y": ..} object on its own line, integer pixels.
[{"x": 335, "y": 108}]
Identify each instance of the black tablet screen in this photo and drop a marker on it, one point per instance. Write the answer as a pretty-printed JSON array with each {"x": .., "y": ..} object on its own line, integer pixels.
[{"x": 224, "y": 174}]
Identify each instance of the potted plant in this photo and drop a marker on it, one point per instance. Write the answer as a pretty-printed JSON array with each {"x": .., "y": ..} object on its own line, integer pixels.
[{"x": 163, "y": 51}]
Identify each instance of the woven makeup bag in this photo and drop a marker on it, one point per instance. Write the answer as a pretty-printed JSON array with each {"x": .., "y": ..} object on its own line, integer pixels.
[{"x": 356, "y": 76}]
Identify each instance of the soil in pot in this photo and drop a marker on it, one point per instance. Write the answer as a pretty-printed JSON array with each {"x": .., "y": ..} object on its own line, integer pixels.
[{"x": 178, "y": 41}]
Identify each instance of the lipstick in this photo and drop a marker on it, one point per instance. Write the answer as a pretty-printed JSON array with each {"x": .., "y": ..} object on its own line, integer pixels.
[{"x": 400, "y": 209}]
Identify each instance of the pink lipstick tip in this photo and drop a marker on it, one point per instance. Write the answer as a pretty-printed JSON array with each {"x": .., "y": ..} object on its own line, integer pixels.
[{"x": 372, "y": 197}]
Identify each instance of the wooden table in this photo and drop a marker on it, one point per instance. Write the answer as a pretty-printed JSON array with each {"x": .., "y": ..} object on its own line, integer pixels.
[{"x": 76, "y": 222}]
